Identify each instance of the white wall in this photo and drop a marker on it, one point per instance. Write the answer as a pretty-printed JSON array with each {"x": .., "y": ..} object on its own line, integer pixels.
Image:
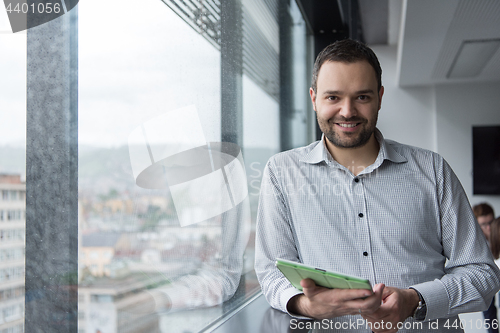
[
  {"x": 459, "y": 107},
  {"x": 438, "y": 118},
  {"x": 407, "y": 114}
]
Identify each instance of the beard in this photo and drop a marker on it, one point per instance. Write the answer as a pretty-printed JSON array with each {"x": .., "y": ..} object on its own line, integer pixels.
[{"x": 346, "y": 139}]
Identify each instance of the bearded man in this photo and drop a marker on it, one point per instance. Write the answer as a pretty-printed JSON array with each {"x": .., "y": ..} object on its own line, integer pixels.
[{"x": 359, "y": 204}]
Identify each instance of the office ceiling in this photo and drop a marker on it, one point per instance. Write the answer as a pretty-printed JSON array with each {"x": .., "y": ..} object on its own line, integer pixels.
[
  {"x": 432, "y": 34},
  {"x": 374, "y": 15}
]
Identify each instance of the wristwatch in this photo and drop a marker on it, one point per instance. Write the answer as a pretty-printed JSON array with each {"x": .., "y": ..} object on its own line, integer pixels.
[{"x": 421, "y": 310}]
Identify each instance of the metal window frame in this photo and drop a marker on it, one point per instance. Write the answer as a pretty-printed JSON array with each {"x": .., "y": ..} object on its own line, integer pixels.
[{"x": 51, "y": 301}]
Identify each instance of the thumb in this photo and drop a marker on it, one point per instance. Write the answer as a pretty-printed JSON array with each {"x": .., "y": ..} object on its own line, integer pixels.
[
  {"x": 309, "y": 287},
  {"x": 379, "y": 290}
]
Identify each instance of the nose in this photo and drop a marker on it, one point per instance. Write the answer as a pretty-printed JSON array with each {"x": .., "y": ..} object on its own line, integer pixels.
[{"x": 347, "y": 108}]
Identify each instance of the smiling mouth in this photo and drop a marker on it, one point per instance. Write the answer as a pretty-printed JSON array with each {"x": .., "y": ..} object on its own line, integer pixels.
[{"x": 348, "y": 125}]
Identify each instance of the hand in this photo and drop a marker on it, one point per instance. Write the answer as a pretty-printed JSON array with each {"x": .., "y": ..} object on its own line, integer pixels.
[
  {"x": 398, "y": 304},
  {"x": 323, "y": 303}
]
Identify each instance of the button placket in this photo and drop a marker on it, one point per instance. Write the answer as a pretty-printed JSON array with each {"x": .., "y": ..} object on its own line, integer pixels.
[{"x": 364, "y": 245}]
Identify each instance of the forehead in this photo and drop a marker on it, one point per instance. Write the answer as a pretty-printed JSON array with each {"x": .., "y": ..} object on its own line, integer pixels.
[
  {"x": 342, "y": 75},
  {"x": 485, "y": 218}
]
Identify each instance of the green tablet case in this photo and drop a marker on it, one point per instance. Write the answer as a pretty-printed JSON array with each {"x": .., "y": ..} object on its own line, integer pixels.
[{"x": 295, "y": 272}]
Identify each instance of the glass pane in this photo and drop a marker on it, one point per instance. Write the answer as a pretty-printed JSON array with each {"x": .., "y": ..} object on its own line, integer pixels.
[
  {"x": 12, "y": 176},
  {"x": 301, "y": 81},
  {"x": 166, "y": 207},
  {"x": 164, "y": 221},
  {"x": 261, "y": 137}
]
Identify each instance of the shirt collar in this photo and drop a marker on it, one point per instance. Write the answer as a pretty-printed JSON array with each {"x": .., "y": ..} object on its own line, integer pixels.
[
  {"x": 320, "y": 153},
  {"x": 387, "y": 152}
]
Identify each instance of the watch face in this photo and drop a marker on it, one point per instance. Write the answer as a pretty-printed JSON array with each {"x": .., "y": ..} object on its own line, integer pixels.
[{"x": 420, "y": 312}]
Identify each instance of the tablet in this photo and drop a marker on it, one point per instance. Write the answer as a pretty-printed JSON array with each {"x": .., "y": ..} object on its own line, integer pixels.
[{"x": 295, "y": 272}]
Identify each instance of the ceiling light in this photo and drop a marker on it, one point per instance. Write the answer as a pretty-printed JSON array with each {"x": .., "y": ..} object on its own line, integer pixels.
[{"x": 472, "y": 57}]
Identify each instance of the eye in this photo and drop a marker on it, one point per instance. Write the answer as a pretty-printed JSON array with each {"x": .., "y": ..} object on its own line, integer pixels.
[
  {"x": 332, "y": 98},
  {"x": 364, "y": 98}
]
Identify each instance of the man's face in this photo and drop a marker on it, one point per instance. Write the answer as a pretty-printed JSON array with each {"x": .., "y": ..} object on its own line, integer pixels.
[
  {"x": 347, "y": 102},
  {"x": 485, "y": 222}
]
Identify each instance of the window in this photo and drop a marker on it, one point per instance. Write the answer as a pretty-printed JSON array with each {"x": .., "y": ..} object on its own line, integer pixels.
[
  {"x": 179, "y": 83},
  {"x": 12, "y": 175},
  {"x": 11, "y": 313},
  {"x": 101, "y": 298}
]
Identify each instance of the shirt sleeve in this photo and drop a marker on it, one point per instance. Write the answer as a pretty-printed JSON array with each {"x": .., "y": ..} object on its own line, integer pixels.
[
  {"x": 471, "y": 277},
  {"x": 274, "y": 239}
]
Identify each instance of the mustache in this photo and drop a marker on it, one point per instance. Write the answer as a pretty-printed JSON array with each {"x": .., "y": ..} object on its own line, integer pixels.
[{"x": 344, "y": 119}]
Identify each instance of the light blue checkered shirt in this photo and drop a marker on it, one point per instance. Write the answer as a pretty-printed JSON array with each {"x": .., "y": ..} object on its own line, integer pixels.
[{"x": 403, "y": 221}]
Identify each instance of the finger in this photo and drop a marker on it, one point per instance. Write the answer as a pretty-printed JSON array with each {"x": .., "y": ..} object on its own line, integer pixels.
[
  {"x": 379, "y": 292},
  {"x": 387, "y": 292},
  {"x": 307, "y": 283},
  {"x": 346, "y": 295},
  {"x": 309, "y": 288},
  {"x": 383, "y": 313},
  {"x": 369, "y": 304},
  {"x": 379, "y": 288}
]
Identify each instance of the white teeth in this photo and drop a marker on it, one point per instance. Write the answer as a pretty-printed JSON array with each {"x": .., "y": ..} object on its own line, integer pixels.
[{"x": 347, "y": 125}]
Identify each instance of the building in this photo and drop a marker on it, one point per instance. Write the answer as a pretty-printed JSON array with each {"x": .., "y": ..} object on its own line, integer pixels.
[
  {"x": 115, "y": 305},
  {"x": 97, "y": 251},
  {"x": 245, "y": 65},
  {"x": 12, "y": 246}
]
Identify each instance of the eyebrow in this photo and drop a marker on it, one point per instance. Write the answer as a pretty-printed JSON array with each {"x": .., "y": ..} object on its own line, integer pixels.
[{"x": 359, "y": 92}]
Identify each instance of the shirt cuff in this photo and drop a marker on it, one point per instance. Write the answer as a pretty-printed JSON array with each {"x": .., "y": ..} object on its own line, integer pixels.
[
  {"x": 435, "y": 297},
  {"x": 286, "y": 296}
]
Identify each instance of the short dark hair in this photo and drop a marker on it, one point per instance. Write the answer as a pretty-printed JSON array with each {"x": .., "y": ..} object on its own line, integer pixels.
[
  {"x": 495, "y": 238},
  {"x": 347, "y": 51},
  {"x": 483, "y": 209}
]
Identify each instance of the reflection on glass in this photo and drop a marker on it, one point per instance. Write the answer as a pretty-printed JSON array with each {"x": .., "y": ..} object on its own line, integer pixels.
[
  {"x": 167, "y": 248},
  {"x": 159, "y": 249},
  {"x": 208, "y": 185},
  {"x": 12, "y": 176},
  {"x": 300, "y": 78}
]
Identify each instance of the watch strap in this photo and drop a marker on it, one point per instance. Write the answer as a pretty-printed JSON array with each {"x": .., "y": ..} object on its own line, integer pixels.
[{"x": 421, "y": 310}]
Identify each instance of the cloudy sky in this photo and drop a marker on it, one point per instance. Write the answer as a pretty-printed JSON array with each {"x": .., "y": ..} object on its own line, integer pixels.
[
  {"x": 137, "y": 60},
  {"x": 12, "y": 84}
]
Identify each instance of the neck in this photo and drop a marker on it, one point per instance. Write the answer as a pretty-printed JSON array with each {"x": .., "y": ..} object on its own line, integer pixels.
[{"x": 355, "y": 159}]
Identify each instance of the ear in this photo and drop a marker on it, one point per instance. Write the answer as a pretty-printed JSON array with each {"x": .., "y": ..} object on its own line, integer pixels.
[
  {"x": 313, "y": 98},
  {"x": 380, "y": 94}
]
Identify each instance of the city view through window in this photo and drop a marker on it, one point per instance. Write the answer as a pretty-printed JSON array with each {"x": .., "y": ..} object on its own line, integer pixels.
[
  {"x": 12, "y": 177},
  {"x": 172, "y": 142}
]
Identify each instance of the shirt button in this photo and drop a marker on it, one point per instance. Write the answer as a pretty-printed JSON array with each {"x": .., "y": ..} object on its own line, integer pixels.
[
  {"x": 356, "y": 179},
  {"x": 360, "y": 215},
  {"x": 365, "y": 254}
]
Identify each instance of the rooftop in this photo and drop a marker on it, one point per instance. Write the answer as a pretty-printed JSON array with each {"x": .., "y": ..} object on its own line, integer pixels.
[{"x": 7, "y": 178}]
